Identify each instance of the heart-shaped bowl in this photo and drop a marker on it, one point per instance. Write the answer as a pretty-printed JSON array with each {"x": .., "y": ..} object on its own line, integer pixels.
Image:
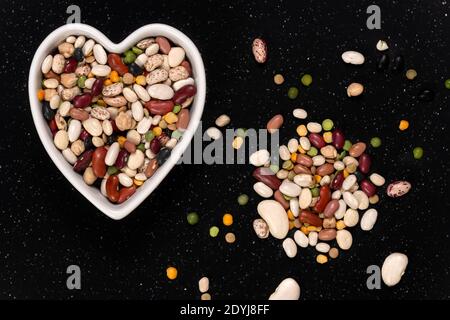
[{"x": 115, "y": 211}]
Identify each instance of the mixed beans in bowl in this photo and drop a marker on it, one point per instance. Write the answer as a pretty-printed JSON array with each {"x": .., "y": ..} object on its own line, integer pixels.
[{"x": 114, "y": 117}]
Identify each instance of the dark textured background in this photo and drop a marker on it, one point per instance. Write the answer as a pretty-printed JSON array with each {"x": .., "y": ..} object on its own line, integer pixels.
[{"x": 45, "y": 225}]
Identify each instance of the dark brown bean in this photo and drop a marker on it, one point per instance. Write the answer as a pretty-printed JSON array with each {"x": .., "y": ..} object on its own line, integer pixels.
[
  {"x": 184, "y": 93},
  {"x": 338, "y": 139},
  {"x": 82, "y": 100},
  {"x": 266, "y": 176},
  {"x": 298, "y": 168},
  {"x": 83, "y": 161},
  {"x": 336, "y": 184},
  {"x": 279, "y": 197},
  {"x": 151, "y": 168},
  {"x": 97, "y": 87},
  {"x": 367, "y": 187},
  {"x": 364, "y": 163},
  {"x": 304, "y": 160},
  {"x": 325, "y": 169},
  {"x": 316, "y": 140},
  {"x": 331, "y": 208},
  {"x": 327, "y": 234}
]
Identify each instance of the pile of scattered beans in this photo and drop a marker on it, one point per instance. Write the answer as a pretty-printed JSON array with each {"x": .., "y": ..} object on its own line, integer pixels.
[
  {"x": 114, "y": 117},
  {"x": 324, "y": 188}
]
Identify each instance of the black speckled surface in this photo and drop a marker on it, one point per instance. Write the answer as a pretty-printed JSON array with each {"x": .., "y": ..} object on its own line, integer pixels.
[{"x": 45, "y": 225}]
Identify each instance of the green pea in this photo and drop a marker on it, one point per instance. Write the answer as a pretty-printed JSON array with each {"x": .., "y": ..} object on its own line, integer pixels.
[
  {"x": 130, "y": 56},
  {"x": 141, "y": 147},
  {"x": 274, "y": 168},
  {"x": 342, "y": 155},
  {"x": 287, "y": 165},
  {"x": 112, "y": 170},
  {"x": 327, "y": 124},
  {"x": 315, "y": 192},
  {"x": 137, "y": 51},
  {"x": 149, "y": 136},
  {"x": 312, "y": 152},
  {"x": 81, "y": 81},
  {"x": 418, "y": 153},
  {"x": 292, "y": 93},
  {"x": 177, "y": 134},
  {"x": 192, "y": 218},
  {"x": 375, "y": 142},
  {"x": 213, "y": 231},
  {"x": 287, "y": 197},
  {"x": 306, "y": 80},
  {"x": 242, "y": 199},
  {"x": 241, "y": 132},
  {"x": 176, "y": 108},
  {"x": 447, "y": 83},
  {"x": 347, "y": 145}
]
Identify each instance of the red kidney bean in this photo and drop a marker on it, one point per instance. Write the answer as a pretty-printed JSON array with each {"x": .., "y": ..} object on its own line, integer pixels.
[
  {"x": 126, "y": 193},
  {"x": 310, "y": 218},
  {"x": 84, "y": 135},
  {"x": 183, "y": 119},
  {"x": 331, "y": 208},
  {"x": 304, "y": 160},
  {"x": 112, "y": 185},
  {"x": 159, "y": 107},
  {"x": 187, "y": 66},
  {"x": 164, "y": 44},
  {"x": 116, "y": 63},
  {"x": 53, "y": 126},
  {"x": 98, "y": 162},
  {"x": 325, "y": 169},
  {"x": 155, "y": 146},
  {"x": 281, "y": 200},
  {"x": 266, "y": 176},
  {"x": 183, "y": 93},
  {"x": 298, "y": 168},
  {"x": 97, "y": 87},
  {"x": 336, "y": 184},
  {"x": 129, "y": 146},
  {"x": 367, "y": 187},
  {"x": 151, "y": 168},
  {"x": 324, "y": 198},
  {"x": 338, "y": 139},
  {"x": 121, "y": 160},
  {"x": 364, "y": 163},
  {"x": 82, "y": 100},
  {"x": 71, "y": 65},
  {"x": 316, "y": 140},
  {"x": 83, "y": 161}
]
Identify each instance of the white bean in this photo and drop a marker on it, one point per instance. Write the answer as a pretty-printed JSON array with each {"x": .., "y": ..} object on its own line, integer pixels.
[
  {"x": 301, "y": 239},
  {"x": 351, "y": 217},
  {"x": 323, "y": 247},
  {"x": 213, "y": 133},
  {"x": 313, "y": 237},
  {"x": 344, "y": 239},
  {"x": 353, "y": 57},
  {"x": 100, "y": 54},
  {"x": 262, "y": 189},
  {"x": 289, "y": 247},
  {"x": 369, "y": 219},
  {"x": 259, "y": 158},
  {"x": 125, "y": 180},
  {"x": 314, "y": 127},
  {"x": 350, "y": 200},
  {"x": 300, "y": 113},
  {"x": 74, "y": 130},
  {"x": 112, "y": 154},
  {"x": 393, "y": 268}
]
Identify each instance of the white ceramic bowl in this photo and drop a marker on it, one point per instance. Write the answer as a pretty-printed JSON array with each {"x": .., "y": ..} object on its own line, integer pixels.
[{"x": 93, "y": 194}]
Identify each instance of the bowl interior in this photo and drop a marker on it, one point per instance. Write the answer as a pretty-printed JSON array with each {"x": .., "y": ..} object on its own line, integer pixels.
[{"x": 93, "y": 194}]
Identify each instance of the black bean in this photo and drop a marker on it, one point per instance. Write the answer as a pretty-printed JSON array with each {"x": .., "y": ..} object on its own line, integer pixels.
[
  {"x": 398, "y": 64},
  {"x": 162, "y": 156},
  {"x": 359, "y": 176},
  {"x": 134, "y": 69},
  {"x": 426, "y": 95},
  {"x": 88, "y": 144},
  {"x": 383, "y": 62},
  {"x": 78, "y": 54},
  {"x": 47, "y": 111},
  {"x": 111, "y": 139}
]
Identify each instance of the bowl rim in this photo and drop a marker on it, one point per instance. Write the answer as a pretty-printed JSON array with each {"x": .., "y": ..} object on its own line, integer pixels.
[{"x": 116, "y": 211}]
